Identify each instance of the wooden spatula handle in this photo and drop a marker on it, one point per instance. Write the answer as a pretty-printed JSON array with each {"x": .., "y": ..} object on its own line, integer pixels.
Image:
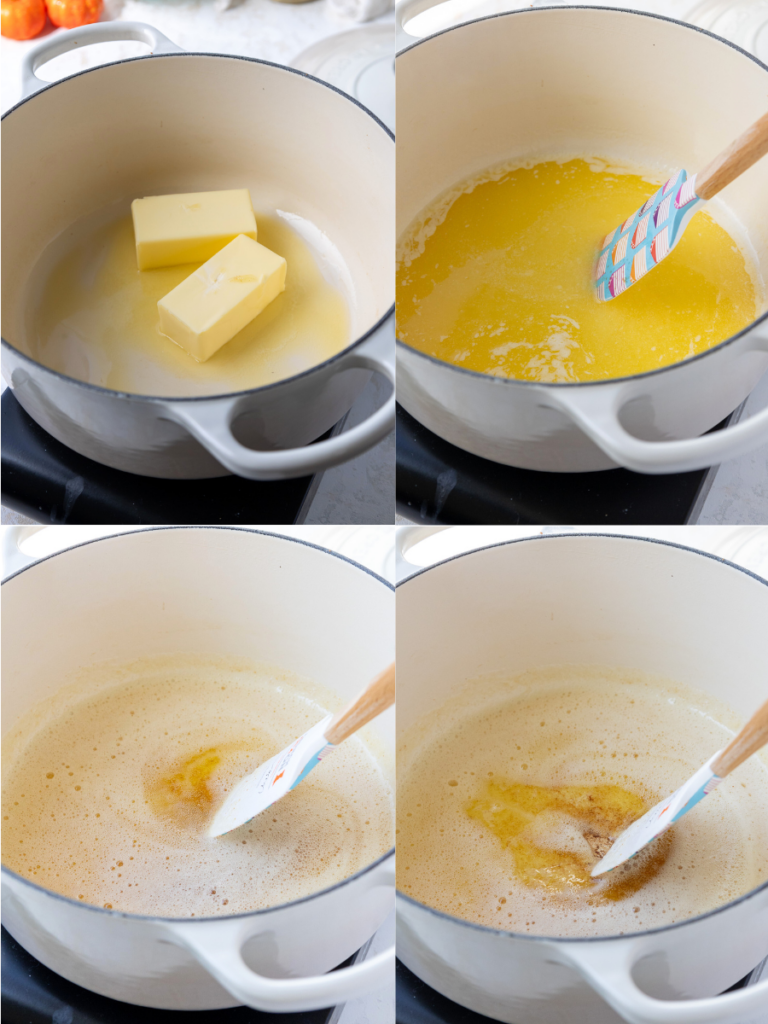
[
  {"x": 372, "y": 701},
  {"x": 753, "y": 736},
  {"x": 734, "y": 160}
]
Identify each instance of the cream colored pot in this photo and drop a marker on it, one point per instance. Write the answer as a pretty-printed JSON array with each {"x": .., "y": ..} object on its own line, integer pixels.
[
  {"x": 187, "y": 122},
  {"x": 614, "y": 82},
  {"x": 207, "y": 591},
  {"x": 587, "y": 599}
]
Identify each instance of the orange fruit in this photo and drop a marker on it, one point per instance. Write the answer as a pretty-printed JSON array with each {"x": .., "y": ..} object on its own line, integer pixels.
[
  {"x": 22, "y": 19},
  {"x": 72, "y": 13}
]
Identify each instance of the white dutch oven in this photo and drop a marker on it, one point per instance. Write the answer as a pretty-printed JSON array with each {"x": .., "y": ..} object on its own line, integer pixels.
[
  {"x": 615, "y": 82},
  {"x": 185, "y": 122},
  {"x": 207, "y": 591},
  {"x": 587, "y": 599}
]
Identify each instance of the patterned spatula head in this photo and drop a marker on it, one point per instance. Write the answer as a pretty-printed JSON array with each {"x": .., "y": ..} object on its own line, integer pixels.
[{"x": 644, "y": 239}]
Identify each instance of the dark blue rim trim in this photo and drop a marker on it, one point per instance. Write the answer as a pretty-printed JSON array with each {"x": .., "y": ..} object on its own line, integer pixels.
[
  {"x": 513, "y": 381},
  {"x": 231, "y": 394},
  {"x": 223, "y": 917},
  {"x": 763, "y": 887}
]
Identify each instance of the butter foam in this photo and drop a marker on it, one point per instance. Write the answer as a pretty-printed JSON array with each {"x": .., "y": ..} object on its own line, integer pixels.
[
  {"x": 574, "y": 727},
  {"x": 110, "y": 784}
]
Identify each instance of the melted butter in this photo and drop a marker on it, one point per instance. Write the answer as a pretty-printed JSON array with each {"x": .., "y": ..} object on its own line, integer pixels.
[
  {"x": 552, "y": 833},
  {"x": 188, "y": 790},
  {"x": 509, "y": 793},
  {"x": 93, "y": 316},
  {"x": 497, "y": 278},
  {"x": 188, "y": 783},
  {"x": 110, "y": 783}
]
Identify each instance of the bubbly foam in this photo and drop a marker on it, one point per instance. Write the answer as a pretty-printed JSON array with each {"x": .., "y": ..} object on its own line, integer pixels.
[
  {"x": 108, "y": 791},
  {"x": 464, "y": 771}
]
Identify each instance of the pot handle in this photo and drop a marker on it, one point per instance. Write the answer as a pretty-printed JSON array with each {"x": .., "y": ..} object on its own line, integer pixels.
[
  {"x": 211, "y": 425},
  {"x": 597, "y": 413},
  {"x": 219, "y": 951},
  {"x": 609, "y": 972},
  {"x": 14, "y": 558},
  {"x": 405, "y": 538},
  {"x": 102, "y": 32},
  {"x": 405, "y": 10}
]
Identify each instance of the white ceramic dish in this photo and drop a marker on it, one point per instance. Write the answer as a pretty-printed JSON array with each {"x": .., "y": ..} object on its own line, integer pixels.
[
  {"x": 218, "y": 592},
  {"x": 361, "y": 62},
  {"x": 601, "y": 600},
  {"x": 744, "y": 22},
  {"x": 175, "y": 121},
  {"x": 556, "y": 79}
]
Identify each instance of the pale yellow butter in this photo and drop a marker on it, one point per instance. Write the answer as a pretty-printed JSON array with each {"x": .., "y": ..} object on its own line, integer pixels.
[
  {"x": 210, "y": 306},
  {"x": 189, "y": 228}
]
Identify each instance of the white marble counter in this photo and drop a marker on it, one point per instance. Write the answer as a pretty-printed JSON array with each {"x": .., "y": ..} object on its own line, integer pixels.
[
  {"x": 739, "y": 493},
  {"x": 255, "y": 28}
]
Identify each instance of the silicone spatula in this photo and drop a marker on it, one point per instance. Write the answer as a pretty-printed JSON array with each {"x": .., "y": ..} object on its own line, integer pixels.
[
  {"x": 651, "y": 233},
  {"x": 281, "y": 773},
  {"x": 752, "y": 737}
]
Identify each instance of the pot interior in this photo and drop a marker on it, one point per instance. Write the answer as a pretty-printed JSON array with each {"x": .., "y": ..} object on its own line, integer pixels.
[
  {"x": 570, "y": 81},
  {"x": 196, "y": 122},
  {"x": 467, "y": 628},
  {"x": 581, "y": 600},
  {"x": 221, "y": 594},
  {"x": 212, "y": 592}
]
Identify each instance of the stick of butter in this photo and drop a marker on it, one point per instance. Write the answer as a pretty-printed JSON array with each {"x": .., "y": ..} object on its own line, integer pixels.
[
  {"x": 210, "y": 306},
  {"x": 189, "y": 228}
]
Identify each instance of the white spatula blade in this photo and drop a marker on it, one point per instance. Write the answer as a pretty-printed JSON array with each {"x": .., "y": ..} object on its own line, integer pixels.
[
  {"x": 272, "y": 780},
  {"x": 659, "y": 818}
]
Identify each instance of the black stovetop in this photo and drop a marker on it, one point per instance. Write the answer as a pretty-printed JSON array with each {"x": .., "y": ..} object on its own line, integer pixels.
[
  {"x": 50, "y": 483},
  {"x": 31, "y": 994},
  {"x": 439, "y": 483},
  {"x": 417, "y": 1003}
]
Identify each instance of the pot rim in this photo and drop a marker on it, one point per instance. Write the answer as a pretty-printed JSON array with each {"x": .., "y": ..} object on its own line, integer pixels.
[
  {"x": 502, "y": 933},
  {"x": 221, "y": 917},
  {"x": 507, "y": 381},
  {"x": 134, "y": 396}
]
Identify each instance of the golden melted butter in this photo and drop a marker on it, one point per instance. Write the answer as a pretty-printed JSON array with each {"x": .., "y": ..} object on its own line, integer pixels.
[
  {"x": 187, "y": 783},
  {"x": 504, "y": 285},
  {"x": 94, "y": 317},
  {"x": 183, "y": 790},
  {"x": 552, "y": 833},
  {"x": 509, "y": 793}
]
